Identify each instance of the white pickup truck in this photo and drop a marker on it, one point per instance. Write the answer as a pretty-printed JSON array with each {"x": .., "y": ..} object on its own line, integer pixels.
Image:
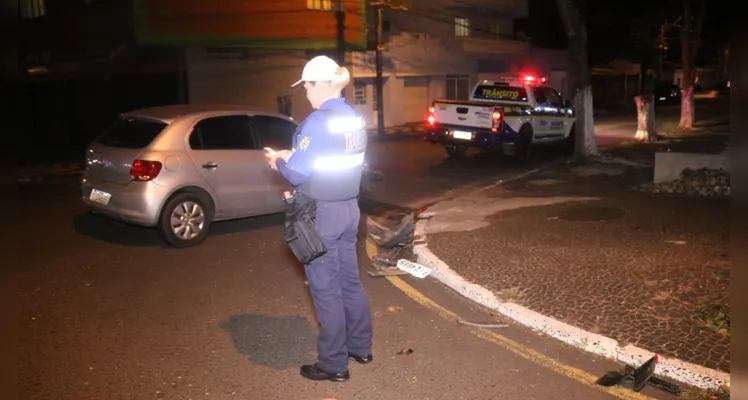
[{"x": 511, "y": 114}]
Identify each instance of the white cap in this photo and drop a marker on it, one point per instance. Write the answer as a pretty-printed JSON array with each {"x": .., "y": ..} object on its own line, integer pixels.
[{"x": 318, "y": 69}]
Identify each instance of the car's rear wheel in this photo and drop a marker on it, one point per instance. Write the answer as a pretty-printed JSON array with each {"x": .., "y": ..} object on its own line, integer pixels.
[
  {"x": 456, "y": 151},
  {"x": 186, "y": 219}
]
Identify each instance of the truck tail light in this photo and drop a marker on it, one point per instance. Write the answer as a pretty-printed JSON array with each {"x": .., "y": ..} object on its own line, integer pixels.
[
  {"x": 143, "y": 170},
  {"x": 496, "y": 119},
  {"x": 431, "y": 118}
]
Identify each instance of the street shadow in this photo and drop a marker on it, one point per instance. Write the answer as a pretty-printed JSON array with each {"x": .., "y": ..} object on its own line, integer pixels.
[
  {"x": 108, "y": 230},
  {"x": 277, "y": 342},
  {"x": 487, "y": 163},
  {"x": 105, "y": 229}
]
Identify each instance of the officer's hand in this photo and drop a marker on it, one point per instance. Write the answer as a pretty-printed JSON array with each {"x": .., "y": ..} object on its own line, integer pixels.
[
  {"x": 285, "y": 154},
  {"x": 271, "y": 161}
]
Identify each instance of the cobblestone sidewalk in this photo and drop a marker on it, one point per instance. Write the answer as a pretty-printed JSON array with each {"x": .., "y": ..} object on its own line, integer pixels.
[{"x": 640, "y": 268}]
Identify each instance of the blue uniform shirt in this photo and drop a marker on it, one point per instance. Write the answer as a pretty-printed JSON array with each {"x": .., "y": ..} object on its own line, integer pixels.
[{"x": 323, "y": 138}]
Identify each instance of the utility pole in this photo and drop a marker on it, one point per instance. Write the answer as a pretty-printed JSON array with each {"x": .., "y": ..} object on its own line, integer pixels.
[
  {"x": 379, "y": 81},
  {"x": 340, "y": 36},
  {"x": 379, "y": 5}
]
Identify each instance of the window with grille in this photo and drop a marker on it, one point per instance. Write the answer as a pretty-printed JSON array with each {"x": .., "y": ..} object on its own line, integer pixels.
[
  {"x": 493, "y": 31},
  {"x": 31, "y": 9},
  {"x": 359, "y": 92},
  {"x": 457, "y": 87},
  {"x": 325, "y": 5},
  {"x": 462, "y": 26}
]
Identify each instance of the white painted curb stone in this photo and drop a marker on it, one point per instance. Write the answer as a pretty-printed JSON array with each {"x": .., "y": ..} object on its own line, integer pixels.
[{"x": 681, "y": 371}]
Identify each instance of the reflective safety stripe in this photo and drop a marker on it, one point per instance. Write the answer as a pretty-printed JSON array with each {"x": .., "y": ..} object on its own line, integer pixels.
[
  {"x": 338, "y": 163},
  {"x": 345, "y": 124}
]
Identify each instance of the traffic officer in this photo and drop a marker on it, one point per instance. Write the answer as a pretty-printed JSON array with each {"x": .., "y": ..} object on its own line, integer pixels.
[{"x": 326, "y": 165}]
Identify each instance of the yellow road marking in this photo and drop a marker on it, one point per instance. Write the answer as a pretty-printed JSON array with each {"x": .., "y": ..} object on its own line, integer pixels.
[{"x": 554, "y": 365}]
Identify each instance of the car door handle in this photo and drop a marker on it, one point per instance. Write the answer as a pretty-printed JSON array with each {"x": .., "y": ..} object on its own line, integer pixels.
[{"x": 210, "y": 165}]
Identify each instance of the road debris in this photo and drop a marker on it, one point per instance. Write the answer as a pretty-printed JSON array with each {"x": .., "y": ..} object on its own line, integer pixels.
[
  {"x": 637, "y": 378},
  {"x": 389, "y": 309},
  {"x": 467, "y": 323},
  {"x": 392, "y": 243},
  {"x": 675, "y": 241},
  {"x": 405, "y": 352}
]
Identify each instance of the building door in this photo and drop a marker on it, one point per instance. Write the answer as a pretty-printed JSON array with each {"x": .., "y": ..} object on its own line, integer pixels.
[{"x": 415, "y": 99}]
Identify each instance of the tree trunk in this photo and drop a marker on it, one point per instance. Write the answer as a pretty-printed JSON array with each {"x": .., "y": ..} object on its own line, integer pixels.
[
  {"x": 645, "y": 118},
  {"x": 585, "y": 141},
  {"x": 690, "y": 43},
  {"x": 686, "y": 108},
  {"x": 584, "y": 128}
]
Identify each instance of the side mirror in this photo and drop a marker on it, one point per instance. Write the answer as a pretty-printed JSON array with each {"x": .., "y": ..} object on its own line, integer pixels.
[{"x": 567, "y": 104}]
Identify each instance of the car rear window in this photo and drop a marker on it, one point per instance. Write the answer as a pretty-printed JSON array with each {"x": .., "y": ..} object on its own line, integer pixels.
[
  {"x": 131, "y": 133},
  {"x": 496, "y": 92}
]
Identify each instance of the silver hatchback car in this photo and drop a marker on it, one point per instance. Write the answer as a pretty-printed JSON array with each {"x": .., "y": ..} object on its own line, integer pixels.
[{"x": 180, "y": 168}]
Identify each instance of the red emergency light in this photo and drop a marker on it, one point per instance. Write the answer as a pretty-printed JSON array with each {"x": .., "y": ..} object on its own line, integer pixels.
[
  {"x": 530, "y": 78},
  {"x": 524, "y": 78}
]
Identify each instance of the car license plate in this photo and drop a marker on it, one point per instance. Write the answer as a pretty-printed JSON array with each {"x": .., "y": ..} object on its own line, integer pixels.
[
  {"x": 663, "y": 98},
  {"x": 462, "y": 135},
  {"x": 415, "y": 269},
  {"x": 100, "y": 197}
]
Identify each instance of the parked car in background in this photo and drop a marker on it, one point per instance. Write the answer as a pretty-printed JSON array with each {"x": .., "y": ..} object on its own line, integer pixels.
[
  {"x": 180, "y": 168},
  {"x": 667, "y": 94}
]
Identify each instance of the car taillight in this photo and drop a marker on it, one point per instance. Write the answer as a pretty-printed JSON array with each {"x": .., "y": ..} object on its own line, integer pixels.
[
  {"x": 143, "y": 170},
  {"x": 431, "y": 118},
  {"x": 496, "y": 119}
]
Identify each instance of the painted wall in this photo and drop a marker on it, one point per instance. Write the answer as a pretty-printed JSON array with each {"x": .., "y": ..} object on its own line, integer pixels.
[
  {"x": 258, "y": 80},
  {"x": 262, "y": 24}
]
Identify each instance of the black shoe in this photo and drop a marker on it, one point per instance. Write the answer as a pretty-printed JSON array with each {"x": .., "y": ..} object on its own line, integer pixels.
[
  {"x": 361, "y": 360},
  {"x": 315, "y": 373}
]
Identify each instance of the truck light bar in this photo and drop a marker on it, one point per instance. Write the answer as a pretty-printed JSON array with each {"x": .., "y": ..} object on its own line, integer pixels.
[{"x": 524, "y": 79}]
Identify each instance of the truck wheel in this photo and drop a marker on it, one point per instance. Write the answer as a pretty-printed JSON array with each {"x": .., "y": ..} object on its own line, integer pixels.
[
  {"x": 524, "y": 141},
  {"x": 456, "y": 151},
  {"x": 186, "y": 219}
]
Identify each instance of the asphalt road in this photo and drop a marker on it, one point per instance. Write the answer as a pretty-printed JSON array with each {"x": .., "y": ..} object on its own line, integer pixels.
[{"x": 108, "y": 312}]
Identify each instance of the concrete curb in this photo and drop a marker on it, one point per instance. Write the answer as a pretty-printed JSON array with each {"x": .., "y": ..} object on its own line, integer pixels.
[{"x": 678, "y": 370}]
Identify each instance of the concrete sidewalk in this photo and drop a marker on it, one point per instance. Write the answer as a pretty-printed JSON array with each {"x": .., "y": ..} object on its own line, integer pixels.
[
  {"x": 585, "y": 259},
  {"x": 410, "y": 129}
]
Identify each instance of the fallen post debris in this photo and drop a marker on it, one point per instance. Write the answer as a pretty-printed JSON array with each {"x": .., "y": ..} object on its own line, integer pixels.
[
  {"x": 637, "y": 378},
  {"x": 394, "y": 244},
  {"x": 467, "y": 323}
]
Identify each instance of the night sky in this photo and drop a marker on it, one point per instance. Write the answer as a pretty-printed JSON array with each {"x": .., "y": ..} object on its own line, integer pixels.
[{"x": 609, "y": 26}]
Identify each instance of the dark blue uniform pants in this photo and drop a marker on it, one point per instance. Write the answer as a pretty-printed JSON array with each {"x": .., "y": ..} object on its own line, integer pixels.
[{"x": 339, "y": 298}]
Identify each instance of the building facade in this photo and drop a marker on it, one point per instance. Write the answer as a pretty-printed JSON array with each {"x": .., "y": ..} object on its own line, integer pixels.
[
  {"x": 432, "y": 49},
  {"x": 83, "y": 61}
]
